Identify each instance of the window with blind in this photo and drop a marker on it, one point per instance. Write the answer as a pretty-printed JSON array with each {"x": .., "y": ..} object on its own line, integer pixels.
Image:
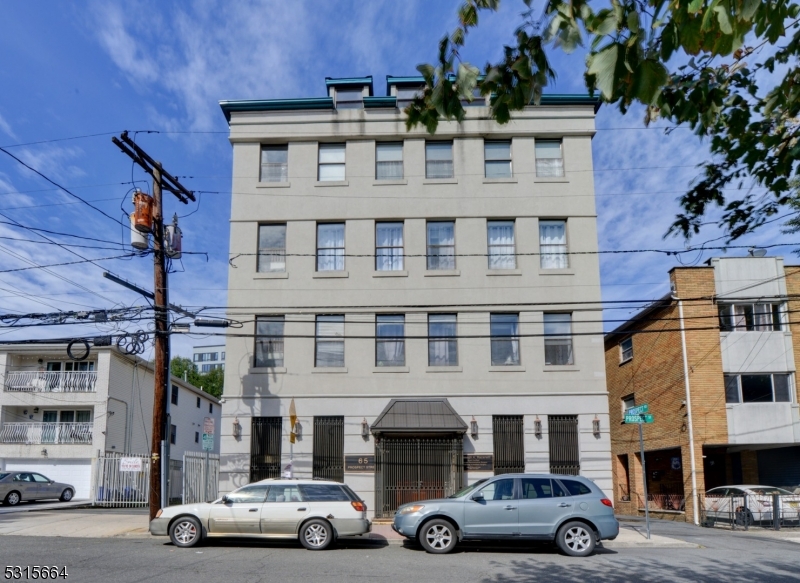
[
  {"x": 275, "y": 163},
  {"x": 497, "y": 159},
  {"x": 388, "y": 246},
  {"x": 329, "y": 349},
  {"x": 331, "y": 162},
  {"x": 390, "y": 343},
  {"x": 502, "y": 252},
  {"x": 269, "y": 341},
  {"x": 504, "y": 332},
  {"x": 389, "y": 161},
  {"x": 330, "y": 247},
  {"x": 509, "y": 444},
  {"x": 442, "y": 342},
  {"x": 553, "y": 245},
  {"x": 438, "y": 160},
  {"x": 558, "y": 339},
  {"x": 271, "y": 248},
  {"x": 441, "y": 245},
  {"x": 626, "y": 350},
  {"x": 549, "y": 160}
]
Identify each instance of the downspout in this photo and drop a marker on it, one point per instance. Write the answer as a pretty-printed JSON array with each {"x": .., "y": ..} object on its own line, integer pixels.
[{"x": 688, "y": 409}]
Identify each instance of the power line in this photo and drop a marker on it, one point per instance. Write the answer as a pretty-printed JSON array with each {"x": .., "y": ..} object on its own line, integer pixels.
[{"x": 70, "y": 263}]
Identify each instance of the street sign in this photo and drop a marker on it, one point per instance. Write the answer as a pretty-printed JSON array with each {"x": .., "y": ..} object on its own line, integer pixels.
[
  {"x": 208, "y": 433},
  {"x": 638, "y": 410},
  {"x": 638, "y": 418}
]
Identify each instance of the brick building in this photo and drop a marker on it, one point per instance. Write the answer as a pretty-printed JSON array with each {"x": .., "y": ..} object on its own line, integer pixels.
[{"x": 726, "y": 385}]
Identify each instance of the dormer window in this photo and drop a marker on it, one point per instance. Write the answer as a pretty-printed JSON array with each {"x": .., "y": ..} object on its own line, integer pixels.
[
  {"x": 349, "y": 98},
  {"x": 405, "y": 95}
]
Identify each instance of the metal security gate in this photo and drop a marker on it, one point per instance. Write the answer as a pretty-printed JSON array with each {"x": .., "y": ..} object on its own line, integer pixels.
[
  {"x": 115, "y": 488},
  {"x": 412, "y": 469},
  {"x": 265, "y": 448},
  {"x": 509, "y": 444},
  {"x": 200, "y": 477},
  {"x": 564, "y": 452},
  {"x": 328, "y": 457}
]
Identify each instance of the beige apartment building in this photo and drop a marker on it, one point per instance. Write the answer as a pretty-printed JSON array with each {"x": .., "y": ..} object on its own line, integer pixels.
[{"x": 427, "y": 307}]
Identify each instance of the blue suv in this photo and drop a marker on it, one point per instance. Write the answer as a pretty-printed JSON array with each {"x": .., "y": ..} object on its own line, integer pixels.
[{"x": 570, "y": 510}]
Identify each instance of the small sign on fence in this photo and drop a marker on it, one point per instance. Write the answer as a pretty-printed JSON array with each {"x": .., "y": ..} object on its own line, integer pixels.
[
  {"x": 208, "y": 433},
  {"x": 130, "y": 464}
]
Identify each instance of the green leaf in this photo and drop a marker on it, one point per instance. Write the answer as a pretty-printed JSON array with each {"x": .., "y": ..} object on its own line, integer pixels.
[
  {"x": 748, "y": 9},
  {"x": 603, "y": 66},
  {"x": 723, "y": 18},
  {"x": 466, "y": 80},
  {"x": 648, "y": 79},
  {"x": 695, "y": 6},
  {"x": 633, "y": 22},
  {"x": 690, "y": 35}
]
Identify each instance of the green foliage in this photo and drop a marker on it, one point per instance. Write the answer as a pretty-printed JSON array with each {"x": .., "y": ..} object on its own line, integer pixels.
[
  {"x": 211, "y": 382},
  {"x": 634, "y": 48}
]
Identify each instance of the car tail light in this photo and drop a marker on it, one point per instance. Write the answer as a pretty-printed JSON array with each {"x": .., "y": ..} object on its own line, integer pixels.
[
  {"x": 607, "y": 502},
  {"x": 360, "y": 506}
]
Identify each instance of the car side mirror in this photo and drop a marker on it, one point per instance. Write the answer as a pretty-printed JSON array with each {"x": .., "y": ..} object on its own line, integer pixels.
[
  {"x": 478, "y": 497},
  {"x": 225, "y": 499}
]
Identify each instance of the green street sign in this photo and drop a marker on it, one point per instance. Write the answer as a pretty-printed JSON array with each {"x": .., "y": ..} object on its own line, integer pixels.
[
  {"x": 208, "y": 441},
  {"x": 638, "y": 418},
  {"x": 638, "y": 410}
]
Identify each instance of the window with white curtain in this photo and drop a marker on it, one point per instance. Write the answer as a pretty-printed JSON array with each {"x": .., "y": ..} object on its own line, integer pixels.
[
  {"x": 553, "y": 244},
  {"x": 501, "y": 245},
  {"x": 558, "y": 339},
  {"x": 269, "y": 341},
  {"x": 504, "y": 332},
  {"x": 331, "y": 162},
  {"x": 442, "y": 342},
  {"x": 765, "y": 317},
  {"x": 438, "y": 159},
  {"x": 388, "y": 246},
  {"x": 390, "y": 344},
  {"x": 271, "y": 248},
  {"x": 497, "y": 159},
  {"x": 389, "y": 161},
  {"x": 329, "y": 350},
  {"x": 275, "y": 163},
  {"x": 441, "y": 245},
  {"x": 549, "y": 160},
  {"x": 330, "y": 246}
]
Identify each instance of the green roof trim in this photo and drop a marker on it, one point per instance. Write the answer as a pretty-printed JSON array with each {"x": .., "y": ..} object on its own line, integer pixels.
[
  {"x": 570, "y": 99},
  {"x": 349, "y": 82},
  {"x": 375, "y": 102},
  {"x": 414, "y": 80},
  {"x": 229, "y": 107}
]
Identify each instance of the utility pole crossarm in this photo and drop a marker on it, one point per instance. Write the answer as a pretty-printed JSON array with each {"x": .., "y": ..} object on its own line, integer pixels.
[{"x": 176, "y": 187}]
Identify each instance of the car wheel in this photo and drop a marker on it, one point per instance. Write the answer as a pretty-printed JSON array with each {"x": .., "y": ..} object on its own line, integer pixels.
[
  {"x": 576, "y": 539},
  {"x": 438, "y": 536},
  {"x": 66, "y": 495},
  {"x": 743, "y": 517},
  {"x": 13, "y": 498},
  {"x": 185, "y": 532},
  {"x": 316, "y": 535}
]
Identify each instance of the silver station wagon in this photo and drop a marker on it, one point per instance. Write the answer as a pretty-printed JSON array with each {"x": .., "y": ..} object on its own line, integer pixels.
[
  {"x": 570, "y": 510},
  {"x": 18, "y": 486},
  {"x": 314, "y": 511}
]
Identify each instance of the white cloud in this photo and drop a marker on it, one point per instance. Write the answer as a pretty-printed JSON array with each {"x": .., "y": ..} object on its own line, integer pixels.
[{"x": 6, "y": 128}]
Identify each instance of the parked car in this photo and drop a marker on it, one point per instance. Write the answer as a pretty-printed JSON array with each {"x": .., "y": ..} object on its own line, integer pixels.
[
  {"x": 747, "y": 504},
  {"x": 570, "y": 510},
  {"x": 18, "y": 486},
  {"x": 314, "y": 511}
]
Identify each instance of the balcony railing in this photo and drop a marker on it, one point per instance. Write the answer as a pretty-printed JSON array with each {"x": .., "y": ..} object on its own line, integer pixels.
[
  {"x": 44, "y": 382},
  {"x": 38, "y": 433}
]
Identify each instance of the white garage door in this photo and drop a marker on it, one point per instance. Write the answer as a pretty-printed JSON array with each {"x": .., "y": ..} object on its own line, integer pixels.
[{"x": 77, "y": 473}]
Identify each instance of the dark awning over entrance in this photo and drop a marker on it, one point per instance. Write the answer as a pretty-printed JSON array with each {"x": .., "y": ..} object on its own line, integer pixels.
[{"x": 419, "y": 416}]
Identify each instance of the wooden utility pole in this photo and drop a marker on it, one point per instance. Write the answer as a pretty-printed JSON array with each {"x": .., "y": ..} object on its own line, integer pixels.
[{"x": 159, "y": 447}]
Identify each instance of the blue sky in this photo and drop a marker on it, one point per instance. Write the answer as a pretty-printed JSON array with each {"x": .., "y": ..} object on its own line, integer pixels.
[{"x": 73, "y": 69}]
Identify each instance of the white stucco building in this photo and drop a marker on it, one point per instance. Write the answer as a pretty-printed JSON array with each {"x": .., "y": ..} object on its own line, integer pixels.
[{"x": 416, "y": 296}]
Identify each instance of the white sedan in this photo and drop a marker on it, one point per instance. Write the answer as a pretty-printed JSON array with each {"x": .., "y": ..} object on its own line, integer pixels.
[{"x": 746, "y": 504}]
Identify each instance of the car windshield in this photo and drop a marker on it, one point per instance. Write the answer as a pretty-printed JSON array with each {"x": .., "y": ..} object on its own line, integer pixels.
[
  {"x": 3, "y": 475},
  {"x": 468, "y": 489},
  {"x": 769, "y": 491}
]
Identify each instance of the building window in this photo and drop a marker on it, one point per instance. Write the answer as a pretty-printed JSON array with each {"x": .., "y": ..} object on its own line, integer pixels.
[
  {"x": 438, "y": 159},
  {"x": 442, "y": 343},
  {"x": 223, "y": 356},
  {"x": 196, "y": 357},
  {"x": 211, "y": 407},
  {"x": 626, "y": 350},
  {"x": 758, "y": 388},
  {"x": 553, "y": 244},
  {"x": 173, "y": 434},
  {"x": 265, "y": 448},
  {"x": 750, "y": 317},
  {"x": 388, "y": 246},
  {"x": 441, "y": 245},
  {"x": 549, "y": 161},
  {"x": 331, "y": 162},
  {"x": 327, "y": 458},
  {"x": 174, "y": 398},
  {"x": 564, "y": 451},
  {"x": 508, "y": 436},
  {"x": 196, "y": 437},
  {"x": 405, "y": 96},
  {"x": 504, "y": 332},
  {"x": 497, "y": 159},
  {"x": 628, "y": 402},
  {"x": 275, "y": 163},
  {"x": 330, "y": 247},
  {"x": 271, "y": 248},
  {"x": 389, "y": 161},
  {"x": 558, "y": 339},
  {"x": 198, "y": 402},
  {"x": 390, "y": 344},
  {"x": 269, "y": 341},
  {"x": 349, "y": 98},
  {"x": 501, "y": 244},
  {"x": 329, "y": 341}
]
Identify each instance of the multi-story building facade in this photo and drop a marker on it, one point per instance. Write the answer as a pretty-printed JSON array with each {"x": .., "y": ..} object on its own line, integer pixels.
[
  {"x": 412, "y": 299},
  {"x": 58, "y": 416},
  {"x": 723, "y": 394},
  {"x": 208, "y": 358}
]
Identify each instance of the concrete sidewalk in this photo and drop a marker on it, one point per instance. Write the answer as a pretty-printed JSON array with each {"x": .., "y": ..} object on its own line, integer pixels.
[{"x": 35, "y": 505}]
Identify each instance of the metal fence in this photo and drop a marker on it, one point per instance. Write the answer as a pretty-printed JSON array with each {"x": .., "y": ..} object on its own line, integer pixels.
[
  {"x": 662, "y": 502},
  {"x": 750, "y": 511},
  {"x": 121, "y": 489},
  {"x": 43, "y": 433},
  {"x": 51, "y": 381},
  {"x": 200, "y": 477},
  {"x": 175, "y": 482}
]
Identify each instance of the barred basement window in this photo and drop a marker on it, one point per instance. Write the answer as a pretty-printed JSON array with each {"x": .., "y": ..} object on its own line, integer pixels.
[
  {"x": 328, "y": 454},
  {"x": 265, "y": 448},
  {"x": 563, "y": 437},
  {"x": 509, "y": 444}
]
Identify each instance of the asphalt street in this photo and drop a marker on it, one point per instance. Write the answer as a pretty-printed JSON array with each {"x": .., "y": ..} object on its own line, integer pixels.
[{"x": 724, "y": 556}]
